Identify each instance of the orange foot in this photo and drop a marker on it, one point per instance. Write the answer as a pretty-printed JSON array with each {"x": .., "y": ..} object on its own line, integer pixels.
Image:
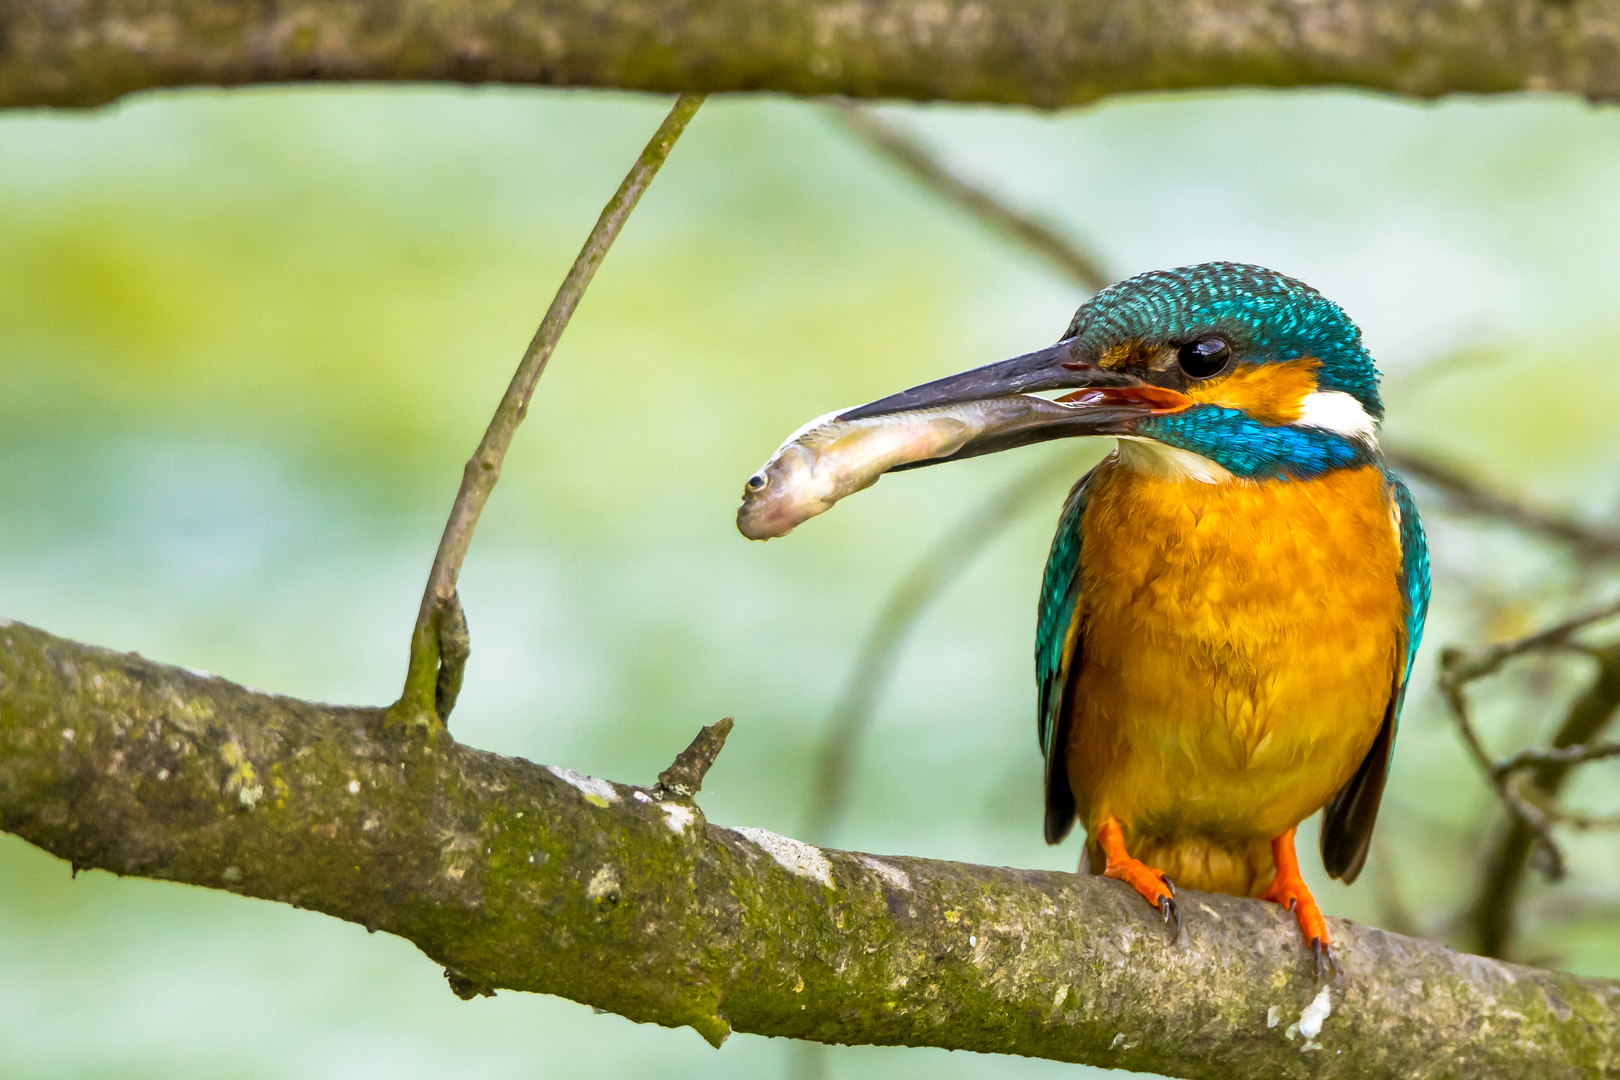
[
  {"x": 1152, "y": 884},
  {"x": 1288, "y": 889}
]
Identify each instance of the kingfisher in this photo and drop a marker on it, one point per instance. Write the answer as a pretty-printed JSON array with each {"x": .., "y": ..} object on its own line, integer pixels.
[{"x": 1235, "y": 595}]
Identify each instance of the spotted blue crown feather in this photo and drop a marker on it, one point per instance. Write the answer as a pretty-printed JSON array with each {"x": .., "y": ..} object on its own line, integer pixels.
[{"x": 1267, "y": 316}]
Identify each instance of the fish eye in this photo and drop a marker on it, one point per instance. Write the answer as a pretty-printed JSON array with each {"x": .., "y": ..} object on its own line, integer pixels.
[
  {"x": 756, "y": 481},
  {"x": 1204, "y": 358}
]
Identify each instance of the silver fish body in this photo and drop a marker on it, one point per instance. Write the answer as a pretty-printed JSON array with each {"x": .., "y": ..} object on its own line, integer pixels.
[{"x": 830, "y": 458}]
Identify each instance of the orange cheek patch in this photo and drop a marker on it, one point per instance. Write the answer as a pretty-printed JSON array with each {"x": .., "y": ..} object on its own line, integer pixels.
[{"x": 1274, "y": 393}]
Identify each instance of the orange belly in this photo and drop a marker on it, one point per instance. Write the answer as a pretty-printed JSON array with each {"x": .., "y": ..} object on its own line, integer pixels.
[{"x": 1238, "y": 650}]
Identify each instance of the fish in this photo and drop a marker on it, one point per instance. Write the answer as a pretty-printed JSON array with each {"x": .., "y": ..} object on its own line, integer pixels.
[{"x": 831, "y": 458}]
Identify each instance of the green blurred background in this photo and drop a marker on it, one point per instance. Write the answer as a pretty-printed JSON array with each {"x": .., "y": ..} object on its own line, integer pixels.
[{"x": 247, "y": 340}]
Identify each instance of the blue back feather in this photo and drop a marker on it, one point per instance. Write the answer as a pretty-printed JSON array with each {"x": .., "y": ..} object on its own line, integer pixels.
[
  {"x": 1414, "y": 575},
  {"x": 1060, "y": 596}
]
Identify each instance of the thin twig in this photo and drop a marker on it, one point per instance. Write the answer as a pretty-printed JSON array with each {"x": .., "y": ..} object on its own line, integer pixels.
[
  {"x": 1493, "y": 917},
  {"x": 1538, "y": 822},
  {"x": 684, "y": 777},
  {"x": 946, "y": 560},
  {"x": 422, "y": 699},
  {"x": 1466, "y": 495},
  {"x": 1463, "y": 668},
  {"x": 1532, "y": 808},
  {"x": 1569, "y": 755},
  {"x": 1080, "y": 265}
]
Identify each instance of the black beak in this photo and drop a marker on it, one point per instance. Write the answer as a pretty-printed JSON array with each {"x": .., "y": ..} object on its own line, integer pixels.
[
  {"x": 1056, "y": 367},
  {"x": 1106, "y": 402}
]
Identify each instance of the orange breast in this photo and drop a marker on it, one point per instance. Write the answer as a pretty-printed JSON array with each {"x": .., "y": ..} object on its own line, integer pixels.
[{"x": 1239, "y": 646}]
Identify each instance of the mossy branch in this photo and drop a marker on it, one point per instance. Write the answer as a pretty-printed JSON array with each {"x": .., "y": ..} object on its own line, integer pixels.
[
  {"x": 1048, "y": 53},
  {"x": 520, "y": 876}
]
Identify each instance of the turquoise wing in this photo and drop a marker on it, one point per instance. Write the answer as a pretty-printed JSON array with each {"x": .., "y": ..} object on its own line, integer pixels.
[
  {"x": 1057, "y": 649},
  {"x": 1414, "y": 576},
  {"x": 1347, "y": 823}
]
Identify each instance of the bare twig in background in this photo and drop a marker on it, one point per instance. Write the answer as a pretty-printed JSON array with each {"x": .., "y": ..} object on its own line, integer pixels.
[
  {"x": 438, "y": 650},
  {"x": 1463, "y": 494},
  {"x": 1076, "y": 263},
  {"x": 1463, "y": 667},
  {"x": 1532, "y": 806},
  {"x": 1570, "y": 755},
  {"x": 1493, "y": 919}
]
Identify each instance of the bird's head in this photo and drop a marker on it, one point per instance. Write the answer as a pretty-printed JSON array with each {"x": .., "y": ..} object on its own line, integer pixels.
[{"x": 1211, "y": 371}]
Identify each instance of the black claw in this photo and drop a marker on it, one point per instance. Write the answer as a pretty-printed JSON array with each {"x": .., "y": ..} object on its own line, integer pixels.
[
  {"x": 1171, "y": 912},
  {"x": 1319, "y": 953},
  {"x": 1168, "y": 883}
]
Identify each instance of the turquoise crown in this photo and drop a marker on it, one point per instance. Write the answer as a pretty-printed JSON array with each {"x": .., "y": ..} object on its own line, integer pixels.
[{"x": 1268, "y": 317}]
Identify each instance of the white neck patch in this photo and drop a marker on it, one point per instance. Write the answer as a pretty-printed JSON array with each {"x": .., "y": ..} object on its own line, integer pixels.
[
  {"x": 1169, "y": 462},
  {"x": 1336, "y": 411}
]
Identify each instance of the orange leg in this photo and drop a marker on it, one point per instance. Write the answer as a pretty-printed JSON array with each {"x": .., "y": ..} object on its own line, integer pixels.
[
  {"x": 1152, "y": 884},
  {"x": 1288, "y": 889}
]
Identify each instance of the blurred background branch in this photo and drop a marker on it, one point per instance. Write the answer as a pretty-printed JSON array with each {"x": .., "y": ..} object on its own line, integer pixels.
[
  {"x": 1532, "y": 808},
  {"x": 1069, "y": 257},
  {"x": 1036, "y": 52}
]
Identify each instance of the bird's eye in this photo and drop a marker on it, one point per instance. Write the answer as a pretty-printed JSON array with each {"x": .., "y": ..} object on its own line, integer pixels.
[
  {"x": 1204, "y": 358},
  {"x": 756, "y": 481}
]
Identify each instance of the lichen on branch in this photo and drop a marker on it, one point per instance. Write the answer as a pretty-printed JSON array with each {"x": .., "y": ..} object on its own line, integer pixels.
[{"x": 521, "y": 876}]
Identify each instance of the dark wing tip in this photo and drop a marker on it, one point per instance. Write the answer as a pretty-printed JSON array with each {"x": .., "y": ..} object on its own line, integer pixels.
[
  {"x": 1059, "y": 820},
  {"x": 1344, "y": 856},
  {"x": 1347, "y": 823},
  {"x": 1059, "y": 798}
]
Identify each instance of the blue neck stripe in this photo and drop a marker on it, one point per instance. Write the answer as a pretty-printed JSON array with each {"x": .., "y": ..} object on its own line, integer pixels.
[{"x": 1248, "y": 448}]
